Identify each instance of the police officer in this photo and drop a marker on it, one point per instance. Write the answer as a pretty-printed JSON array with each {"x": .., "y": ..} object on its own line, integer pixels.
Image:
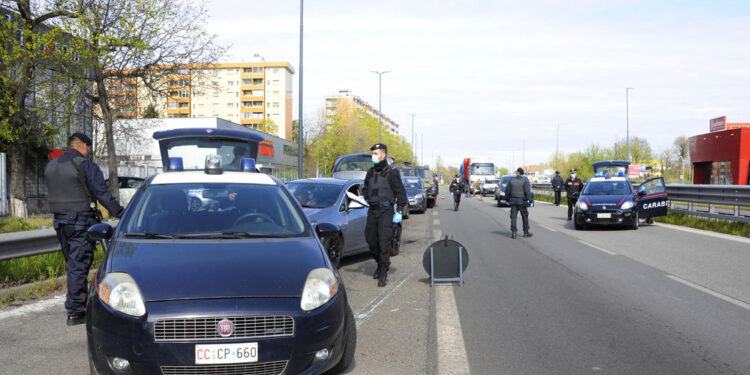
[
  {"x": 456, "y": 188},
  {"x": 557, "y": 185},
  {"x": 572, "y": 185},
  {"x": 383, "y": 189},
  {"x": 518, "y": 194},
  {"x": 74, "y": 185}
]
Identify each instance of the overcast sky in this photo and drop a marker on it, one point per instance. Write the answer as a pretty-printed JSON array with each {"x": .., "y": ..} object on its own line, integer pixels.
[{"x": 483, "y": 76}]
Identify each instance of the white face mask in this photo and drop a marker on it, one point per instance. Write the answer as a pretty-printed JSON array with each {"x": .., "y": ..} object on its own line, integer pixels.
[
  {"x": 375, "y": 159},
  {"x": 573, "y": 176}
]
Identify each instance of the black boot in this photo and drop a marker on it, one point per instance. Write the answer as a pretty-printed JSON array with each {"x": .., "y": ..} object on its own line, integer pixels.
[
  {"x": 512, "y": 234},
  {"x": 74, "y": 320},
  {"x": 376, "y": 275},
  {"x": 528, "y": 234},
  {"x": 383, "y": 281}
]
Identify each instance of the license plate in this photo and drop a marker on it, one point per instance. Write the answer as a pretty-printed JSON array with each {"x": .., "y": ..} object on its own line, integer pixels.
[
  {"x": 226, "y": 353},
  {"x": 603, "y": 216}
]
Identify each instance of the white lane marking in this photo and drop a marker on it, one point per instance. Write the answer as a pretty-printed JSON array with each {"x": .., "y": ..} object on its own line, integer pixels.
[
  {"x": 364, "y": 314},
  {"x": 718, "y": 295},
  {"x": 451, "y": 349},
  {"x": 706, "y": 233},
  {"x": 546, "y": 227},
  {"x": 436, "y": 222},
  {"x": 436, "y": 234},
  {"x": 33, "y": 307},
  {"x": 434, "y": 213},
  {"x": 597, "y": 247}
]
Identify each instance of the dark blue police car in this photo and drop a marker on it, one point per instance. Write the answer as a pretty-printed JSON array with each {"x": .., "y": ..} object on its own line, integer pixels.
[{"x": 241, "y": 286}]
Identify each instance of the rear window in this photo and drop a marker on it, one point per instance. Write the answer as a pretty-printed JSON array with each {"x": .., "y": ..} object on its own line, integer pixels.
[{"x": 190, "y": 208}]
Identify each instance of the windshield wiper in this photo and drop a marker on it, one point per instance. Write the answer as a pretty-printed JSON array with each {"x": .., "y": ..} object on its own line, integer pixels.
[
  {"x": 256, "y": 235},
  {"x": 150, "y": 235},
  {"x": 209, "y": 235}
]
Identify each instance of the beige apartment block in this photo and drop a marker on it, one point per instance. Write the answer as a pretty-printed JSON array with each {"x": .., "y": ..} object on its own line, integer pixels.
[{"x": 346, "y": 103}]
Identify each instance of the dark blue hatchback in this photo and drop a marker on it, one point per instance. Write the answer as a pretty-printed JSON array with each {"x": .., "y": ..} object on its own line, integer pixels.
[{"x": 236, "y": 282}]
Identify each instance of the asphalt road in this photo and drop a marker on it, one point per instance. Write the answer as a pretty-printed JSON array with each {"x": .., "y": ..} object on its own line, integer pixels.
[{"x": 658, "y": 300}]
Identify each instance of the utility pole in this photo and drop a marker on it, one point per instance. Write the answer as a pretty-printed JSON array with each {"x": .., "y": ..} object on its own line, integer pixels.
[
  {"x": 300, "y": 132},
  {"x": 413, "y": 145},
  {"x": 380, "y": 101},
  {"x": 523, "y": 155},
  {"x": 422, "y": 158},
  {"x": 557, "y": 147},
  {"x": 627, "y": 123}
]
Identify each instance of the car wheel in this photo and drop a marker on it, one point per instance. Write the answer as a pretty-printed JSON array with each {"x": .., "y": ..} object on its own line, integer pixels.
[
  {"x": 634, "y": 226},
  {"x": 350, "y": 344},
  {"x": 396, "y": 240},
  {"x": 578, "y": 225},
  {"x": 335, "y": 250}
]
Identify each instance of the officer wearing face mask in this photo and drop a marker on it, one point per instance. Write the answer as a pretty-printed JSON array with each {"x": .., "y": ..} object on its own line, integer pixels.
[
  {"x": 74, "y": 185},
  {"x": 383, "y": 189},
  {"x": 572, "y": 185}
]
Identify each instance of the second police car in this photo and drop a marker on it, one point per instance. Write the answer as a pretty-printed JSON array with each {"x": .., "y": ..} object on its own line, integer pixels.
[{"x": 610, "y": 199}]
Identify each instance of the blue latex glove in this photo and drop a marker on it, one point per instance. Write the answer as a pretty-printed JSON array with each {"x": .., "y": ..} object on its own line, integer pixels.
[
  {"x": 531, "y": 204},
  {"x": 451, "y": 194},
  {"x": 507, "y": 203},
  {"x": 397, "y": 217},
  {"x": 362, "y": 197}
]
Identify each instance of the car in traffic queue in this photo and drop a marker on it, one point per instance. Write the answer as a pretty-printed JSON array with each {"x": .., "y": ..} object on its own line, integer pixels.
[
  {"x": 488, "y": 186},
  {"x": 609, "y": 198},
  {"x": 335, "y": 201},
  {"x": 354, "y": 166},
  {"x": 406, "y": 169},
  {"x": 243, "y": 286},
  {"x": 415, "y": 193},
  {"x": 503, "y": 184}
]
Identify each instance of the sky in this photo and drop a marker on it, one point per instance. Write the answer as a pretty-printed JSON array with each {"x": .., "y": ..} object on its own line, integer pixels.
[{"x": 486, "y": 77}]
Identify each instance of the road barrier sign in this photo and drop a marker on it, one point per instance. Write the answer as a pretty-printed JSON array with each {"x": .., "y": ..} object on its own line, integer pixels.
[{"x": 446, "y": 261}]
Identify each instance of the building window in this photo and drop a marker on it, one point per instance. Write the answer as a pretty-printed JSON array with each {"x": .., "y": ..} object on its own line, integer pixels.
[
  {"x": 257, "y": 70},
  {"x": 216, "y": 94},
  {"x": 183, "y": 71},
  {"x": 216, "y": 72},
  {"x": 230, "y": 105},
  {"x": 201, "y": 106},
  {"x": 276, "y": 104},
  {"x": 258, "y": 81},
  {"x": 247, "y": 70},
  {"x": 172, "y": 105},
  {"x": 184, "y": 105},
  {"x": 230, "y": 83},
  {"x": 257, "y": 115},
  {"x": 276, "y": 82},
  {"x": 184, "y": 94},
  {"x": 237, "y": 94},
  {"x": 275, "y": 71},
  {"x": 215, "y": 106},
  {"x": 277, "y": 93},
  {"x": 247, "y": 115}
]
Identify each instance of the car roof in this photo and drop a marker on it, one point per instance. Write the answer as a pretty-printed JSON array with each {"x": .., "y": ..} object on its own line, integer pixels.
[
  {"x": 411, "y": 178},
  {"x": 324, "y": 180},
  {"x": 187, "y": 177},
  {"x": 596, "y": 179}
]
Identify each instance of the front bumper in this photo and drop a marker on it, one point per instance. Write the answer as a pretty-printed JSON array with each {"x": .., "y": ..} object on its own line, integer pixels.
[
  {"x": 111, "y": 334},
  {"x": 594, "y": 217}
]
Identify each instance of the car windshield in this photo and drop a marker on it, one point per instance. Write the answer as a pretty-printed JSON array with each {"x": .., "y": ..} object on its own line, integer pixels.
[
  {"x": 193, "y": 153},
  {"x": 407, "y": 172},
  {"x": 357, "y": 162},
  {"x": 506, "y": 179},
  {"x": 412, "y": 183},
  {"x": 199, "y": 208},
  {"x": 607, "y": 188},
  {"x": 315, "y": 195},
  {"x": 483, "y": 169},
  {"x": 490, "y": 182},
  {"x": 424, "y": 173}
]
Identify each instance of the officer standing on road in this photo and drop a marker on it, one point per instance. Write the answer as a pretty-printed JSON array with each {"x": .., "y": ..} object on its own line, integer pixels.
[
  {"x": 456, "y": 188},
  {"x": 74, "y": 185},
  {"x": 572, "y": 185},
  {"x": 557, "y": 185},
  {"x": 383, "y": 189},
  {"x": 435, "y": 182},
  {"x": 518, "y": 193}
]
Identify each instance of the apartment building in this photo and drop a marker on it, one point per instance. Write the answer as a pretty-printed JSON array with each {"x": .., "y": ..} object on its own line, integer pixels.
[
  {"x": 255, "y": 94},
  {"x": 345, "y": 102}
]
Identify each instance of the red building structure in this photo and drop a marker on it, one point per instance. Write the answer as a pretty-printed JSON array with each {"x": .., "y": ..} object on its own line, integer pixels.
[{"x": 721, "y": 156}]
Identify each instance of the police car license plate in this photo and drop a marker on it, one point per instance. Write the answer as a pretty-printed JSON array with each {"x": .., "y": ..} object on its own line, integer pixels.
[
  {"x": 603, "y": 216},
  {"x": 226, "y": 353}
]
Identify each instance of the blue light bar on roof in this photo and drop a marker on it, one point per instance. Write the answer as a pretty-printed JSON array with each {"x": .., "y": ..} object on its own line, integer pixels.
[
  {"x": 175, "y": 164},
  {"x": 247, "y": 165}
]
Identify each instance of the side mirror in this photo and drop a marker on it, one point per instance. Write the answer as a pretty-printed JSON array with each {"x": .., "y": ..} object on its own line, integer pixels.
[
  {"x": 99, "y": 232},
  {"x": 326, "y": 230},
  {"x": 353, "y": 205},
  {"x": 641, "y": 193}
]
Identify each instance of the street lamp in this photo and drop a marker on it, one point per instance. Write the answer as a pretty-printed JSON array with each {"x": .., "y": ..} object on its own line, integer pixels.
[
  {"x": 627, "y": 123},
  {"x": 557, "y": 147},
  {"x": 413, "y": 146},
  {"x": 300, "y": 117},
  {"x": 380, "y": 101}
]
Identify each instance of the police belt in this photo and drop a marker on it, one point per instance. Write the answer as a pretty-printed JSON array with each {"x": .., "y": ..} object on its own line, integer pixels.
[{"x": 380, "y": 204}]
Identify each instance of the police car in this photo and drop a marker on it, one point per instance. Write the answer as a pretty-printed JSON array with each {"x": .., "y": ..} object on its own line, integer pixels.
[
  {"x": 242, "y": 286},
  {"x": 609, "y": 198}
]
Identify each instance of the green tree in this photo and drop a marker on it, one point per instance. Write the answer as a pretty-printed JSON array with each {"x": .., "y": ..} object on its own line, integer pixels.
[
  {"x": 150, "y": 112},
  {"x": 640, "y": 151},
  {"x": 682, "y": 151}
]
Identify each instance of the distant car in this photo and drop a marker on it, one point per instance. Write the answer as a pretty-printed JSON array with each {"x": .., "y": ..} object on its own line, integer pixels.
[
  {"x": 325, "y": 200},
  {"x": 415, "y": 193},
  {"x": 488, "y": 186},
  {"x": 191, "y": 290},
  {"x": 500, "y": 190},
  {"x": 127, "y": 186},
  {"x": 354, "y": 166}
]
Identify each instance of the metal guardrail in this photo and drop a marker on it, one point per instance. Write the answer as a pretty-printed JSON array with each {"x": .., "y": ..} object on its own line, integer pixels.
[
  {"x": 33, "y": 242},
  {"x": 702, "y": 200}
]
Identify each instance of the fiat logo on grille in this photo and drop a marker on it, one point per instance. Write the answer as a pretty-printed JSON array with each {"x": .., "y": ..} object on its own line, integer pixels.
[{"x": 225, "y": 328}]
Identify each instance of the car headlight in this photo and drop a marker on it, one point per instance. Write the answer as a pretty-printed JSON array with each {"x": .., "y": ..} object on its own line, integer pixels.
[
  {"x": 627, "y": 205},
  {"x": 419, "y": 196},
  {"x": 119, "y": 291},
  {"x": 502, "y": 193},
  {"x": 583, "y": 206},
  {"x": 321, "y": 285}
]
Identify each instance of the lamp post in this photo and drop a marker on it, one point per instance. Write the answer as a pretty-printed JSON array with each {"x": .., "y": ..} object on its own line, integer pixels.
[
  {"x": 300, "y": 133},
  {"x": 380, "y": 100},
  {"x": 627, "y": 123},
  {"x": 413, "y": 146},
  {"x": 557, "y": 147}
]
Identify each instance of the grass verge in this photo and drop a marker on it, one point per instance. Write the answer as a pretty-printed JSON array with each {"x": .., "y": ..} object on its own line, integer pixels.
[
  {"x": 714, "y": 225},
  {"x": 17, "y": 224}
]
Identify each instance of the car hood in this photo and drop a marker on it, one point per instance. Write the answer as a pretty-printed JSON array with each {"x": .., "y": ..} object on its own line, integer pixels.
[
  {"x": 614, "y": 200},
  {"x": 413, "y": 192},
  {"x": 198, "y": 269}
]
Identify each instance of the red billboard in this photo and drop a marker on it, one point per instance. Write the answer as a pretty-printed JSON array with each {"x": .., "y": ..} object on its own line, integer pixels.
[{"x": 718, "y": 124}]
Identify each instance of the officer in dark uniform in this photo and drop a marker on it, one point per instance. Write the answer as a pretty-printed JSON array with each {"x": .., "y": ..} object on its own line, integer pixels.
[
  {"x": 557, "y": 185},
  {"x": 383, "y": 189},
  {"x": 518, "y": 194},
  {"x": 74, "y": 185},
  {"x": 456, "y": 188},
  {"x": 572, "y": 185}
]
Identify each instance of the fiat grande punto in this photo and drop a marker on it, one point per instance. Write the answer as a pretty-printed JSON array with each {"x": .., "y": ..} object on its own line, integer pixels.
[{"x": 241, "y": 286}]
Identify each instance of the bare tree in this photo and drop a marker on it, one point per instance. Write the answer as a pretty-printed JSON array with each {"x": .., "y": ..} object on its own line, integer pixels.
[
  {"x": 682, "y": 150},
  {"x": 142, "y": 42}
]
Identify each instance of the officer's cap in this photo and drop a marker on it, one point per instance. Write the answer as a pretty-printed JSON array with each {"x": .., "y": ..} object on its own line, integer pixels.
[
  {"x": 573, "y": 170},
  {"x": 519, "y": 170},
  {"x": 83, "y": 137},
  {"x": 557, "y": 172},
  {"x": 379, "y": 146}
]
